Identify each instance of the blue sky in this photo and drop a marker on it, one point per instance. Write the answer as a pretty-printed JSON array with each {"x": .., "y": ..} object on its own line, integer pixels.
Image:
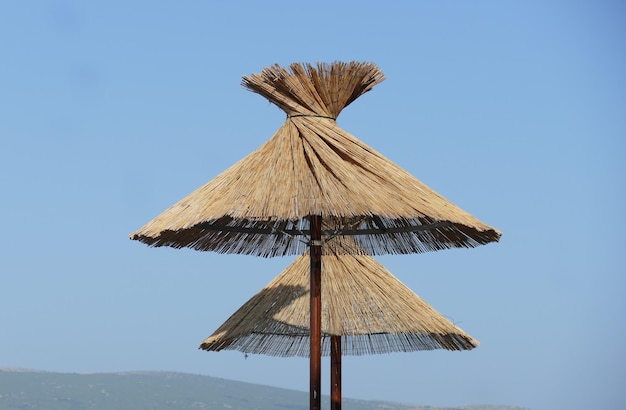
[{"x": 516, "y": 111}]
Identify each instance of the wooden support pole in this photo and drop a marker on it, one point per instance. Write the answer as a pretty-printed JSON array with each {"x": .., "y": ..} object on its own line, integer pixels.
[
  {"x": 316, "y": 313},
  {"x": 335, "y": 372}
]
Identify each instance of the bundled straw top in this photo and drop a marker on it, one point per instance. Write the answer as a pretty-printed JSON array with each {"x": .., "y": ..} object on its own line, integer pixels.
[
  {"x": 261, "y": 205},
  {"x": 361, "y": 301}
]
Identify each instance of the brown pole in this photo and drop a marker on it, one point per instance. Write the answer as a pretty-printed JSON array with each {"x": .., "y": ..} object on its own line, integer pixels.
[
  {"x": 335, "y": 372},
  {"x": 315, "y": 355}
]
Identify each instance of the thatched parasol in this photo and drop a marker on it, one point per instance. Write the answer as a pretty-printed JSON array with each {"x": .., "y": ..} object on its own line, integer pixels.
[
  {"x": 365, "y": 310},
  {"x": 363, "y": 302},
  {"x": 262, "y": 204},
  {"x": 312, "y": 181}
]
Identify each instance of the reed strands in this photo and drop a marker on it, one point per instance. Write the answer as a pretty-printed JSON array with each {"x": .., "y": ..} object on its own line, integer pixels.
[
  {"x": 310, "y": 166},
  {"x": 371, "y": 309}
]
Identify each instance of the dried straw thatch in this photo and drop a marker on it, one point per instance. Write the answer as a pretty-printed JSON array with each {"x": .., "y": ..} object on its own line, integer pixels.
[
  {"x": 310, "y": 166},
  {"x": 361, "y": 301}
]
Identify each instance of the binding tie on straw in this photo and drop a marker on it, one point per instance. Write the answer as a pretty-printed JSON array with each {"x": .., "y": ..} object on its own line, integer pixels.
[{"x": 311, "y": 115}]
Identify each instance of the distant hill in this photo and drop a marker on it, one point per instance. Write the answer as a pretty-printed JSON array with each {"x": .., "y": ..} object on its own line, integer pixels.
[{"x": 24, "y": 389}]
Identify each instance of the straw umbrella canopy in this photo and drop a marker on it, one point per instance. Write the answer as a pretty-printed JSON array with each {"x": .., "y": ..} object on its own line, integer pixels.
[
  {"x": 364, "y": 303},
  {"x": 262, "y": 204},
  {"x": 312, "y": 181},
  {"x": 365, "y": 310}
]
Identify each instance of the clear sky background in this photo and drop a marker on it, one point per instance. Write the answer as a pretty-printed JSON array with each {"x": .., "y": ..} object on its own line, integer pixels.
[{"x": 111, "y": 111}]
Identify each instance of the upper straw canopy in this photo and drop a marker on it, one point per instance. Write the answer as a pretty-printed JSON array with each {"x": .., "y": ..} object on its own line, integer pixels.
[
  {"x": 362, "y": 302},
  {"x": 261, "y": 204}
]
